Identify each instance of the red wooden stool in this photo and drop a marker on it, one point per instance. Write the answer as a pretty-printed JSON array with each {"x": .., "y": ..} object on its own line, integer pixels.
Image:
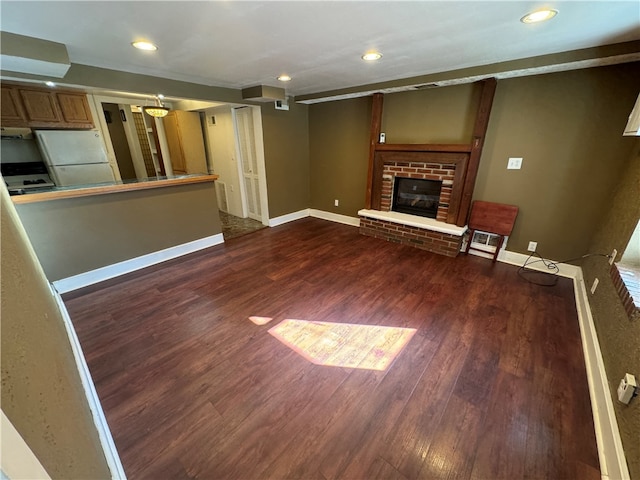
[{"x": 496, "y": 218}]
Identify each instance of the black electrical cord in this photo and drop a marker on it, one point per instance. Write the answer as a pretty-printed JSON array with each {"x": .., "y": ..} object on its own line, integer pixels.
[{"x": 552, "y": 274}]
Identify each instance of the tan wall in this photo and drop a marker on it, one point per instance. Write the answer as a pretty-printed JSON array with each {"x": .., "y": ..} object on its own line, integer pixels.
[
  {"x": 339, "y": 150},
  {"x": 619, "y": 337},
  {"x": 42, "y": 393},
  {"x": 286, "y": 153},
  {"x": 438, "y": 115},
  {"x": 104, "y": 78},
  {"x": 76, "y": 235},
  {"x": 567, "y": 126}
]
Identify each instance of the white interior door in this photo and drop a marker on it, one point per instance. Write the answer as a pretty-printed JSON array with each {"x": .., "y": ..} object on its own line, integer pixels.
[{"x": 248, "y": 161}]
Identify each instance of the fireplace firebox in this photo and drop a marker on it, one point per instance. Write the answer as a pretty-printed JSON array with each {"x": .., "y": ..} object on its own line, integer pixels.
[{"x": 416, "y": 196}]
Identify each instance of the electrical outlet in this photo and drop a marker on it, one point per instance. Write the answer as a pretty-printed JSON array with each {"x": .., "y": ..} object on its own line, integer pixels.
[
  {"x": 336, "y": 203},
  {"x": 532, "y": 246},
  {"x": 627, "y": 388},
  {"x": 594, "y": 286},
  {"x": 612, "y": 258}
]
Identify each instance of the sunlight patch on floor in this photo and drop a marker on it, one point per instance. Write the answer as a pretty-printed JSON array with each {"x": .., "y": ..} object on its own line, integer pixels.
[{"x": 347, "y": 345}]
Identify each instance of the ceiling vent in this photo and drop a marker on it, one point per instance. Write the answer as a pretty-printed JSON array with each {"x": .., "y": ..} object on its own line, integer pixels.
[
  {"x": 263, "y": 93},
  {"x": 32, "y": 55}
]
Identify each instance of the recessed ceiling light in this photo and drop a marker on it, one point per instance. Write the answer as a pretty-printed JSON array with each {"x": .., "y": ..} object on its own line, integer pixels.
[
  {"x": 372, "y": 56},
  {"x": 50, "y": 84},
  {"x": 284, "y": 78},
  {"x": 539, "y": 16},
  {"x": 143, "y": 45}
]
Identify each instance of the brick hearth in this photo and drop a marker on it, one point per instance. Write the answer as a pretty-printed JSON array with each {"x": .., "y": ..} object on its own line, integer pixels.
[
  {"x": 436, "y": 242},
  {"x": 434, "y": 235}
]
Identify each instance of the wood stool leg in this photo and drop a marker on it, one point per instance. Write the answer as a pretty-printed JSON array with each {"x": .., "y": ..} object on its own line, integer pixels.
[
  {"x": 495, "y": 255},
  {"x": 466, "y": 250}
]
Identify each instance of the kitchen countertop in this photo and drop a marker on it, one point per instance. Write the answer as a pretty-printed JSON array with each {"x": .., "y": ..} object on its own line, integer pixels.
[{"x": 56, "y": 193}]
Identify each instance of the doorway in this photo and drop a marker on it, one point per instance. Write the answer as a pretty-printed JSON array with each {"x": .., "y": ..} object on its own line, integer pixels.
[{"x": 113, "y": 117}]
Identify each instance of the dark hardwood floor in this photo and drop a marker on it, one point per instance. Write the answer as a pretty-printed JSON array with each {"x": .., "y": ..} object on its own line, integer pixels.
[{"x": 491, "y": 386}]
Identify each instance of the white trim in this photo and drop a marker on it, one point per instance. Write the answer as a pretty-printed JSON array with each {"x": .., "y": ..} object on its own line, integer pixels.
[
  {"x": 260, "y": 159},
  {"x": 99, "y": 420},
  {"x": 613, "y": 464},
  {"x": 334, "y": 217},
  {"x": 289, "y": 217},
  {"x": 81, "y": 280},
  {"x": 414, "y": 221},
  {"x": 518, "y": 259},
  {"x": 18, "y": 460}
]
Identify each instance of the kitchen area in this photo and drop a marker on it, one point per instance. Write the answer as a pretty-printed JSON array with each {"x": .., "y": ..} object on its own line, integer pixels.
[
  {"x": 50, "y": 139},
  {"x": 86, "y": 221}
]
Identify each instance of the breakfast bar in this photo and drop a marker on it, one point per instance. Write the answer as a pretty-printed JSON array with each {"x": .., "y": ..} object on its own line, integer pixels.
[{"x": 89, "y": 233}]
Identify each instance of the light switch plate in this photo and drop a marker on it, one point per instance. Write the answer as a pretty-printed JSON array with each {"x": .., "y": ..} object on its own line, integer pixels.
[{"x": 515, "y": 163}]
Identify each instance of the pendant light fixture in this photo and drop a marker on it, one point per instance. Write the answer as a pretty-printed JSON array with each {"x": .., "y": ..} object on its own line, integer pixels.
[{"x": 158, "y": 110}]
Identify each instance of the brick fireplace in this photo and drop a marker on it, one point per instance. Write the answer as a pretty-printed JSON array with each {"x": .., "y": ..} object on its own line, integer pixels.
[
  {"x": 439, "y": 235},
  {"x": 456, "y": 165},
  {"x": 422, "y": 171}
]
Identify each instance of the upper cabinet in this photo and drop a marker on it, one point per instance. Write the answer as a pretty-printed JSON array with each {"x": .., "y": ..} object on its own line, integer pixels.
[
  {"x": 12, "y": 113},
  {"x": 27, "y": 106},
  {"x": 74, "y": 108}
]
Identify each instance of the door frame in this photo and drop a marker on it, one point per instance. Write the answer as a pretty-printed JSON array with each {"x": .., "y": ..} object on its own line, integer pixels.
[
  {"x": 256, "y": 115},
  {"x": 95, "y": 104}
]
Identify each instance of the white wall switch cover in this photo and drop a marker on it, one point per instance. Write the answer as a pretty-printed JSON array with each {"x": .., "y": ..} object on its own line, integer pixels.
[
  {"x": 515, "y": 163},
  {"x": 336, "y": 202}
]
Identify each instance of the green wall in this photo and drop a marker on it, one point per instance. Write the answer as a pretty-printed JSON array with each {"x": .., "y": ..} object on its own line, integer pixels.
[
  {"x": 286, "y": 154},
  {"x": 339, "y": 142},
  {"x": 567, "y": 126},
  {"x": 437, "y": 115},
  {"x": 619, "y": 337},
  {"x": 42, "y": 394}
]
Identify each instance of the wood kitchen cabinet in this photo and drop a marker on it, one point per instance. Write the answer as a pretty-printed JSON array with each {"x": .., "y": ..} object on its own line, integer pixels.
[
  {"x": 27, "y": 106},
  {"x": 186, "y": 145},
  {"x": 11, "y": 111},
  {"x": 74, "y": 108},
  {"x": 40, "y": 106}
]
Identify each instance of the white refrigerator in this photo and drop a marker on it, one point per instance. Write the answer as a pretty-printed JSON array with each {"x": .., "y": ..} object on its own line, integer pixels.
[{"x": 74, "y": 157}]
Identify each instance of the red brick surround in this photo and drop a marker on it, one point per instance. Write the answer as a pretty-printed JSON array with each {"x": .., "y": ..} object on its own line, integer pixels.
[
  {"x": 421, "y": 170},
  {"x": 436, "y": 242},
  {"x": 626, "y": 283}
]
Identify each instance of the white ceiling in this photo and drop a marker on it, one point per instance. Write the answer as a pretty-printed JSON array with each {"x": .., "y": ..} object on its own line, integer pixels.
[{"x": 239, "y": 44}]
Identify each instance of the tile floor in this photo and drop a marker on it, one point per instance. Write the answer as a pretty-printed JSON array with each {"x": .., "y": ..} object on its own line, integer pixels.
[{"x": 233, "y": 226}]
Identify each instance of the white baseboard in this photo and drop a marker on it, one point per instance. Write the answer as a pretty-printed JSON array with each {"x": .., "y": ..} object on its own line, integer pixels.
[
  {"x": 518, "y": 259},
  {"x": 335, "y": 217},
  {"x": 85, "y": 279},
  {"x": 613, "y": 464},
  {"x": 99, "y": 420},
  {"x": 289, "y": 217}
]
